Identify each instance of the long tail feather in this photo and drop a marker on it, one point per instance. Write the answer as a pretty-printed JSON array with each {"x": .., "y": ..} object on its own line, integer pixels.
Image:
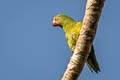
[{"x": 92, "y": 62}]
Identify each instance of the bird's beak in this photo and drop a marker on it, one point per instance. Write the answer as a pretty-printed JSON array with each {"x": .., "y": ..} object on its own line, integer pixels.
[{"x": 54, "y": 23}]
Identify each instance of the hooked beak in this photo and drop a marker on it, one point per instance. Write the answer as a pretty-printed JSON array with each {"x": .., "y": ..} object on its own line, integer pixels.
[{"x": 54, "y": 24}]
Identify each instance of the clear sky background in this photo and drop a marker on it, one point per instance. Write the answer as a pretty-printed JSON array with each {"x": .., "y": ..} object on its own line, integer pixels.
[{"x": 31, "y": 49}]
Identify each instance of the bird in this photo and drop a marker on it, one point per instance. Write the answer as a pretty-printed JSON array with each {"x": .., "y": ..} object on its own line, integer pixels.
[{"x": 72, "y": 29}]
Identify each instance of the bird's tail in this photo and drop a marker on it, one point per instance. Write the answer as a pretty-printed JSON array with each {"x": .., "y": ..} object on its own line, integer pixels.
[{"x": 92, "y": 62}]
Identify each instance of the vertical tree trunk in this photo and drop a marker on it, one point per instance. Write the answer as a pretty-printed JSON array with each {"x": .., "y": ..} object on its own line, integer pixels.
[{"x": 87, "y": 33}]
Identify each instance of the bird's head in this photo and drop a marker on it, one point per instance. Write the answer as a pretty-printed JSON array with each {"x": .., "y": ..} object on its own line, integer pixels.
[{"x": 61, "y": 20}]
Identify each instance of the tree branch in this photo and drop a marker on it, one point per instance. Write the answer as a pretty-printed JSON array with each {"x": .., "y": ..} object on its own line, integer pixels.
[{"x": 87, "y": 34}]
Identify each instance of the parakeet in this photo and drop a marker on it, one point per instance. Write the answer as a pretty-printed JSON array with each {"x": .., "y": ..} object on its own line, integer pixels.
[{"x": 72, "y": 30}]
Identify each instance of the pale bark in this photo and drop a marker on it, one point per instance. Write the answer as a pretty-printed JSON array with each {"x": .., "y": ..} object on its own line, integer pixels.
[{"x": 87, "y": 34}]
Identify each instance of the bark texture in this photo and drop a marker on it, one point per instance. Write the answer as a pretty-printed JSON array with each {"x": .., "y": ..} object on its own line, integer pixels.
[{"x": 87, "y": 34}]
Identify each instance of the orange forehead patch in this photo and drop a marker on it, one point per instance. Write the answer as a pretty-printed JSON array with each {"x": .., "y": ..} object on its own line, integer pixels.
[{"x": 55, "y": 18}]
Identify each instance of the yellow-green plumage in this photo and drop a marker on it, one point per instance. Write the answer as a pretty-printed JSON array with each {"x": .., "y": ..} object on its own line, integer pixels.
[
  {"x": 72, "y": 30},
  {"x": 72, "y": 34}
]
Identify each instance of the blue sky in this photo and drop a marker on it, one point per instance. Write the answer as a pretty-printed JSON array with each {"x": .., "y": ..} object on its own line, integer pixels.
[{"x": 31, "y": 49}]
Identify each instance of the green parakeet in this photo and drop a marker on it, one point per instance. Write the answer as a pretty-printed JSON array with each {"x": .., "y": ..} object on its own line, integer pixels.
[{"x": 72, "y": 30}]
